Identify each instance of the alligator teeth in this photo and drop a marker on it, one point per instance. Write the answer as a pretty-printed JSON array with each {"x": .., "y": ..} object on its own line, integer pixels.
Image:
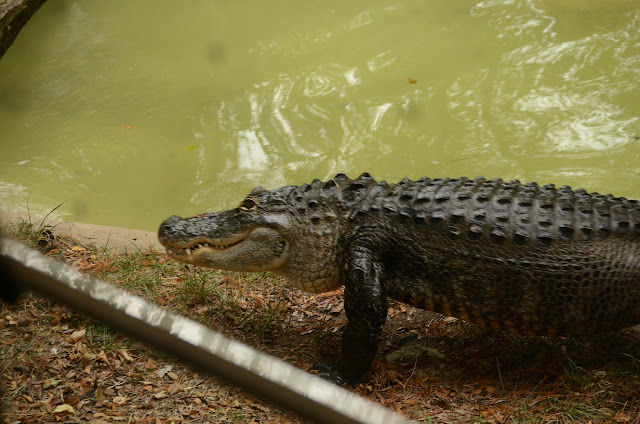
[{"x": 189, "y": 250}]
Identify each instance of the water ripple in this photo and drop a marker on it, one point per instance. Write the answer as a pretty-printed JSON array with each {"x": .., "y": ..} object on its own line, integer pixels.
[
  {"x": 573, "y": 102},
  {"x": 281, "y": 112}
]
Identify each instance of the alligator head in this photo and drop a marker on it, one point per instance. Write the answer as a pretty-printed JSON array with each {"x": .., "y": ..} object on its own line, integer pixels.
[{"x": 264, "y": 233}]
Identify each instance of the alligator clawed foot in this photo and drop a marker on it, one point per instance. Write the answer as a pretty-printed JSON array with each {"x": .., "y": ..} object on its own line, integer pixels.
[
  {"x": 332, "y": 373},
  {"x": 327, "y": 372}
]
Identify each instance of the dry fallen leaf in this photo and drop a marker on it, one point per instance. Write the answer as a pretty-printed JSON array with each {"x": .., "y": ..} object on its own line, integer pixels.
[
  {"x": 102, "y": 357},
  {"x": 150, "y": 365},
  {"x": 125, "y": 355},
  {"x": 63, "y": 408},
  {"x": 50, "y": 384},
  {"x": 78, "y": 335},
  {"x": 161, "y": 395},
  {"x": 621, "y": 417},
  {"x": 175, "y": 388},
  {"x": 120, "y": 400},
  {"x": 87, "y": 358},
  {"x": 164, "y": 370}
]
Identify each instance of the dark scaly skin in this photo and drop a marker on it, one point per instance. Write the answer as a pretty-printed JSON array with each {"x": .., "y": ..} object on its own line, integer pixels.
[{"x": 522, "y": 258}]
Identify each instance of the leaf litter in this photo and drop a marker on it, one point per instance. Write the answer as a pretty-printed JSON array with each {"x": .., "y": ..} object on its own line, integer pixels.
[{"x": 58, "y": 366}]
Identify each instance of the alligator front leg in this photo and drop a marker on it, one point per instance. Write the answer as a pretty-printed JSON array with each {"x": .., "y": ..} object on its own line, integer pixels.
[{"x": 365, "y": 303}]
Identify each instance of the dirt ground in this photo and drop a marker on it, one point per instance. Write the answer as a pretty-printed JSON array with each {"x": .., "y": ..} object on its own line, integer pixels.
[{"x": 58, "y": 366}]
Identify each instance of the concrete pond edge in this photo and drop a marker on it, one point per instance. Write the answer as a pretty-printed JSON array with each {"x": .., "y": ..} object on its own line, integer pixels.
[{"x": 116, "y": 238}]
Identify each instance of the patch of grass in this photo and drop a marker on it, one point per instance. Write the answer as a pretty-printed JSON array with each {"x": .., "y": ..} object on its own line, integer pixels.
[
  {"x": 136, "y": 272},
  {"x": 570, "y": 410},
  {"x": 271, "y": 316},
  {"x": 28, "y": 230},
  {"x": 198, "y": 288},
  {"x": 102, "y": 335},
  {"x": 230, "y": 295},
  {"x": 237, "y": 417},
  {"x": 523, "y": 414}
]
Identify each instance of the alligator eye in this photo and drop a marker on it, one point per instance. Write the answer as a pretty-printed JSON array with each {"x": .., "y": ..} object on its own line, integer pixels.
[{"x": 248, "y": 204}]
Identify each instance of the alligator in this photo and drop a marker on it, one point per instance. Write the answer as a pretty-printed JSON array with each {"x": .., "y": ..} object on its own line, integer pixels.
[{"x": 522, "y": 258}]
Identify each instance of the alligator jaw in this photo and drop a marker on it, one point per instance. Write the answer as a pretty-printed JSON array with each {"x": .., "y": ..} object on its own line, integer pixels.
[
  {"x": 219, "y": 241},
  {"x": 190, "y": 252}
]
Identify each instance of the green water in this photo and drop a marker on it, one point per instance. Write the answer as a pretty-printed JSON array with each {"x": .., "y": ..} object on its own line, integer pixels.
[{"x": 130, "y": 111}]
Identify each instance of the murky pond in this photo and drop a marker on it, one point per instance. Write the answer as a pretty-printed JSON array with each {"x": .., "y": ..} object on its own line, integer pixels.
[{"x": 127, "y": 112}]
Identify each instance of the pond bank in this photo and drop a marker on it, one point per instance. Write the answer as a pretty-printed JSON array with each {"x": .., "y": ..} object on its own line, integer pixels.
[{"x": 120, "y": 239}]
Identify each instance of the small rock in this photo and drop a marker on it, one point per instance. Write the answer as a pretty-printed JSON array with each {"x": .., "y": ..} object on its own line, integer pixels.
[{"x": 407, "y": 354}]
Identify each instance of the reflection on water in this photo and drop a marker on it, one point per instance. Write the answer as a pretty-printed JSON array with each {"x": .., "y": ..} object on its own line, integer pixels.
[
  {"x": 127, "y": 121},
  {"x": 567, "y": 87}
]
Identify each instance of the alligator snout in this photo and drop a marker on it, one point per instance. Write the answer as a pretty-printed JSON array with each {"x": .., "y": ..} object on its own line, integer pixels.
[
  {"x": 170, "y": 221},
  {"x": 171, "y": 229},
  {"x": 177, "y": 231}
]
